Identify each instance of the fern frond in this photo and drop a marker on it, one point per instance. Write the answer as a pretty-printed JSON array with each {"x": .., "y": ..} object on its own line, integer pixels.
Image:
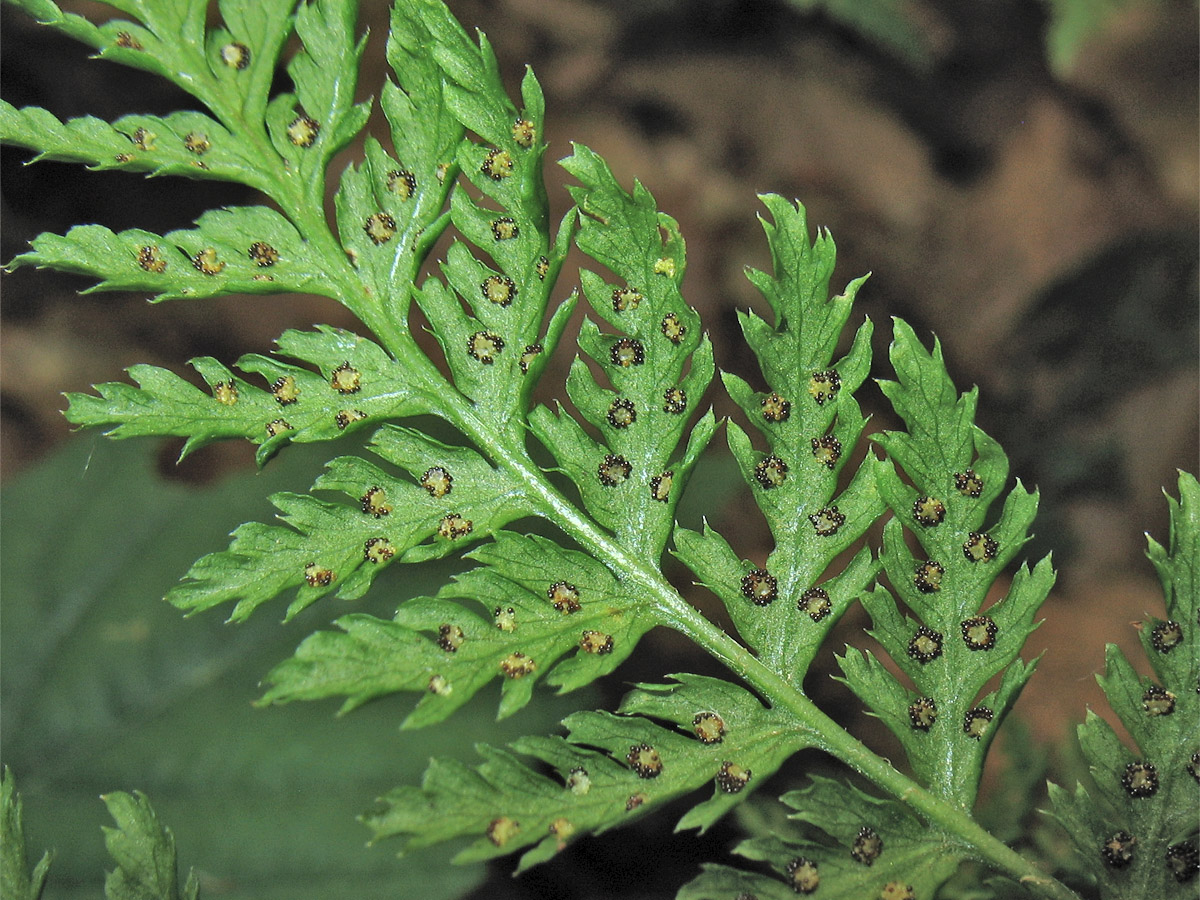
[
  {"x": 606, "y": 470},
  {"x": 530, "y": 604}
]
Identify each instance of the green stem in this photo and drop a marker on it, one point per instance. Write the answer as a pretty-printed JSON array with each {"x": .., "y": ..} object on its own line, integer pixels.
[{"x": 824, "y": 733}]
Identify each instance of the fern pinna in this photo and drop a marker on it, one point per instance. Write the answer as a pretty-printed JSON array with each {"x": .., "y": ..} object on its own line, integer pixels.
[{"x": 461, "y": 156}]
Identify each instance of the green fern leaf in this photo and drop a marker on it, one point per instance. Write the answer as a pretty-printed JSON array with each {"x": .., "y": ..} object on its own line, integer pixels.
[
  {"x": 607, "y": 472},
  {"x": 189, "y": 144},
  {"x": 249, "y": 250},
  {"x": 453, "y": 499},
  {"x": 1135, "y": 829}
]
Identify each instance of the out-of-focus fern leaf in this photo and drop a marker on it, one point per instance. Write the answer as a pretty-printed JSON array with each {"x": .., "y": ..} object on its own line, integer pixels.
[
  {"x": 889, "y": 24},
  {"x": 608, "y": 770},
  {"x": 810, "y": 422},
  {"x": 955, "y": 646},
  {"x": 147, "y": 868},
  {"x": 1135, "y": 829},
  {"x": 17, "y": 881}
]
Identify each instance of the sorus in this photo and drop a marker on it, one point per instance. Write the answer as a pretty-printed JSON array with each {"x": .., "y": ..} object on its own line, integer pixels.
[
  {"x": 926, "y": 645},
  {"x": 968, "y": 483},
  {"x": 346, "y": 379},
  {"x": 976, "y": 721},
  {"x": 867, "y": 847},
  {"x": 771, "y": 472},
  {"x": 709, "y": 727},
  {"x": 927, "y": 577},
  {"x": 979, "y": 633},
  {"x": 236, "y": 55},
  {"x": 823, "y": 386},
  {"x": 497, "y": 165},
  {"x": 402, "y": 183},
  {"x": 374, "y": 502},
  {"x": 815, "y": 601},
  {"x": 485, "y": 346},
  {"x": 929, "y": 511},
  {"x": 827, "y": 450},
  {"x": 437, "y": 481},
  {"x": 285, "y": 391},
  {"x": 263, "y": 254},
  {"x": 731, "y": 778},
  {"x": 644, "y": 760},
  {"x": 380, "y": 228},
  {"x": 597, "y": 642},
  {"x": 303, "y": 130},
  {"x": 206, "y": 262},
  {"x": 803, "y": 875},
  {"x": 505, "y": 229},
  {"x": 454, "y": 526},
  {"x": 775, "y": 408},
  {"x": 564, "y": 596},
  {"x": 923, "y": 713},
  {"x": 613, "y": 470},
  {"x": 760, "y": 587}
]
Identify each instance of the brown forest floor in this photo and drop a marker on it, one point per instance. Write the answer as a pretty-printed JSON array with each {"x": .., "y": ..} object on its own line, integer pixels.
[{"x": 1044, "y": 227}]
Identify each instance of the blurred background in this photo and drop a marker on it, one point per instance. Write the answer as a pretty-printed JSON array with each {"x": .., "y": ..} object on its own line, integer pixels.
[{"x": 1021, "y": 177}]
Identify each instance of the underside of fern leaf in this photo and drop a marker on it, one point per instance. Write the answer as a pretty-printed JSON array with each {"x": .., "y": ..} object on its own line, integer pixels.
[{"x": 458, "y": 163}]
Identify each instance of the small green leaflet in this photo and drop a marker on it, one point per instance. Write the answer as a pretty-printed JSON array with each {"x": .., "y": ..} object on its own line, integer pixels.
[
  {"x": 189, "y": 144},
  {"x": 17, "y": 881},
  {"x": 630, "y": 480},
  {"x": 246, "y": 249},
  {"x": 145, "y": 854},
  {"x": 454, "y": 498},
  {"x": 1135, "y": 827}
]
